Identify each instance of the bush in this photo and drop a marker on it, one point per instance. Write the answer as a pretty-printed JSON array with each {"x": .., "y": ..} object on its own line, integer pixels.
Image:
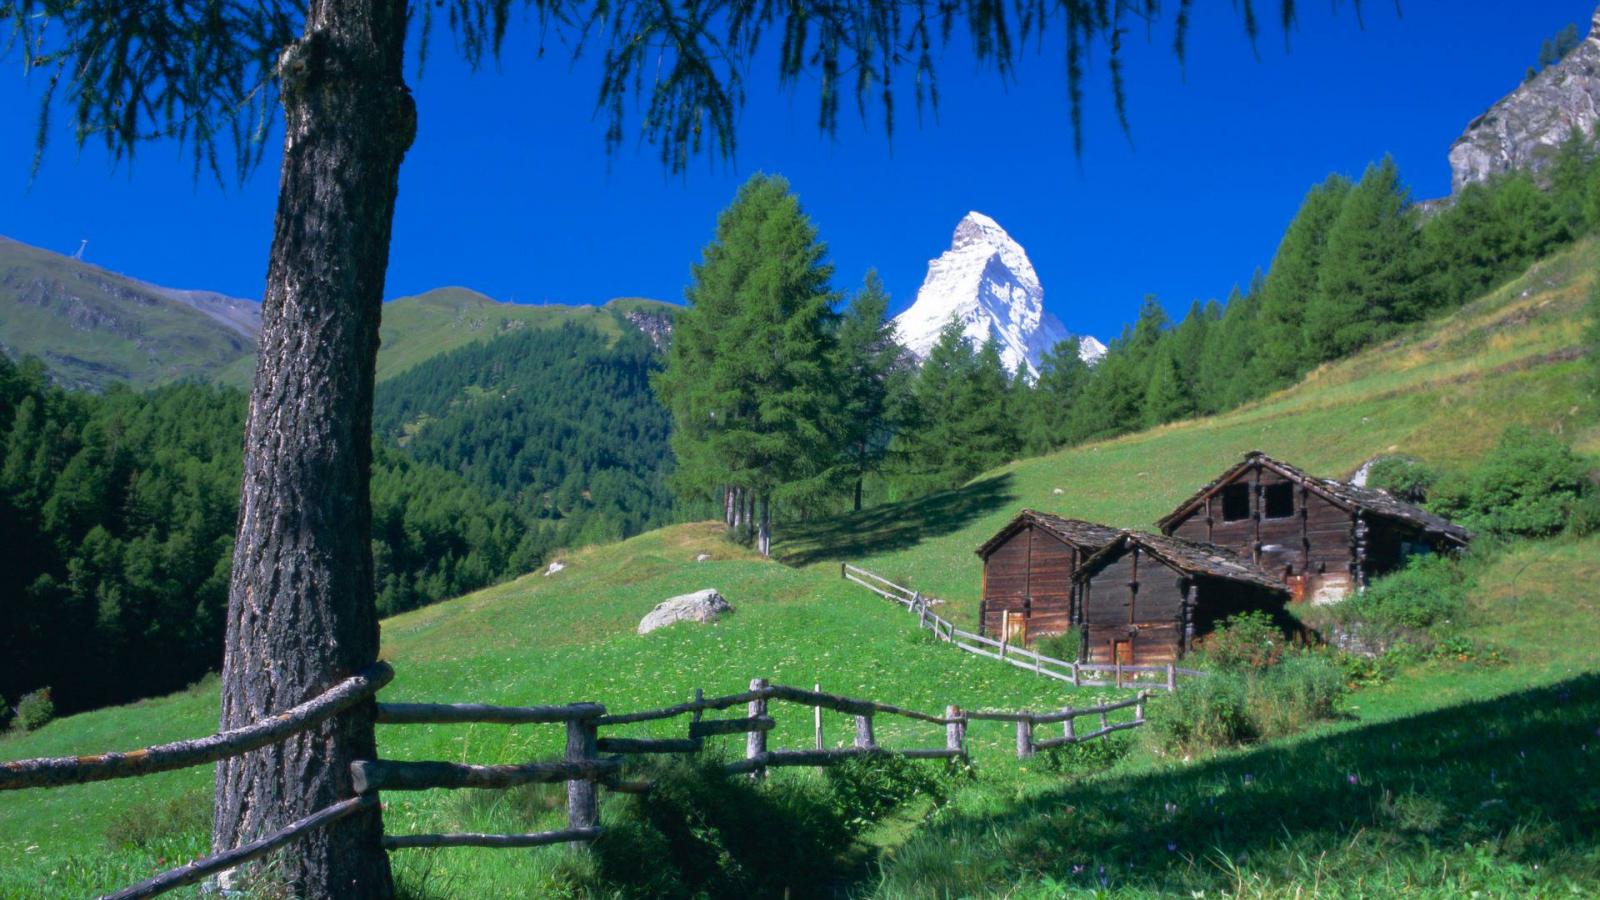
[
  {"x": 35, "y": 710},
  {"x": 864, "y": 788},
  {"x": 1528, "y": 486},
  {"x": 1429, "y": 593},
  {"x": 700, "y": 832},
  {"x": 1228, "y": 708},
  {"x": 1405, "y": 477},
  {"x": 1065, "y": 646},
  {"x": 1248, "y": 640}
]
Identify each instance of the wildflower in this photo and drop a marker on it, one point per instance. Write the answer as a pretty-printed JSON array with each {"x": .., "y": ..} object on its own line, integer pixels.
[
  {"x": 1248, "y": 778},
  {"x": 1353, "y": 778},
  {"x": 1172, "y": 846},
  {"x": 1078, "y": 868},
  {"x": 1172, "y": 808}
]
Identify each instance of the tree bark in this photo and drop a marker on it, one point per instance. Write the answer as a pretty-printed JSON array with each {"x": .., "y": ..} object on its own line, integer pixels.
[
  {"x": 764, "y": 538},
  {"x": 301, "y": 611}
]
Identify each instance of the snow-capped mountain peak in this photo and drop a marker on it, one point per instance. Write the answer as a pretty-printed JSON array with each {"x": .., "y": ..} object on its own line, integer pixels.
[{"x": 987, "y": 282}]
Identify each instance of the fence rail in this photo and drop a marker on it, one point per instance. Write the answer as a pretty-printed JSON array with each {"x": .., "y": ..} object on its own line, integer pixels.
[
  {"x": 589, "y": 763},
  {"x": 1073, "y": 672}
]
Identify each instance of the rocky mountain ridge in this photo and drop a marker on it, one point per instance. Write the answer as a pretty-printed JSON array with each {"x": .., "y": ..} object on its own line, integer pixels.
[{"x": 1524, "y": 128}]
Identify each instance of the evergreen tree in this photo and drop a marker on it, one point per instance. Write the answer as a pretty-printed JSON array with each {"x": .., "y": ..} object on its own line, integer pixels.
[
  {"x": 1292, "y": 283},
  {"x": 1367, "y": 283},
  {"x": 1168, "y": 395},
  {"x": 963, "y": 421},
  {"x": 864, "y": 370},
  {"x": 1048, "y": 406},
  {"x": 753, "y": 387},
  {"x": 1227, "y": 368}
]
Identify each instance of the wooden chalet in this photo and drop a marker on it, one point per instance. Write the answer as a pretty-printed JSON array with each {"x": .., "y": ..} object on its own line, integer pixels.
[
  {"x": 1027, "y": 574},
  {"x": 1148, "y": 599},
  {"x": 1322, "y": 538}
]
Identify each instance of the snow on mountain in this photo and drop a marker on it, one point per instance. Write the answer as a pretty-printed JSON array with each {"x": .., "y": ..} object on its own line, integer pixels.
[{"x": 986, "y": 280}]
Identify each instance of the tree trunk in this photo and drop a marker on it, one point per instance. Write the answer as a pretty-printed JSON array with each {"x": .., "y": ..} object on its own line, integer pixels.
[
  {"x": 301, "y": 611},
  {"x": 764, "y": 539},
  {"x": 727, "y": 506}
]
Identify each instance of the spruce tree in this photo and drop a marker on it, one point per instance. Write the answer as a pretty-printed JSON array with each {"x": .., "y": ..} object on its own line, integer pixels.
[
  {"x": 1048, "y": 409},
  {"x": 753, "y": 394},
  {"x": 867, "y": 357},
  {"x": 1291, "y": 282},
  {"x": 1168, "y": 395},
  {"x": 1227, "y": 369},
  {"x": 1367, "y": 283}
]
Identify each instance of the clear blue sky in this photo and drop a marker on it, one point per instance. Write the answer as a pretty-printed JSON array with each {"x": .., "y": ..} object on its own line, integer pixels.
[{"x": 508, "y": 188}]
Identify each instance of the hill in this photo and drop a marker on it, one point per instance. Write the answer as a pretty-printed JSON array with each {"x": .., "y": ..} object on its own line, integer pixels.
[
  {"x": 1454, "y": 777},
  {"x": 94, "y": 327}
]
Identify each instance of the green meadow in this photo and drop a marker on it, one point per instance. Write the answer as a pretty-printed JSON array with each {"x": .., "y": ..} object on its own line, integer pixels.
[{"x": 1455, "y": 776}]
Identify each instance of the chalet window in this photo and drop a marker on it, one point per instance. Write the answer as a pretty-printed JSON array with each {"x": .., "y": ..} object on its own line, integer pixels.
[
  {"x": 1235, "y": 502},
  {"x": 1278, "y": 500}
]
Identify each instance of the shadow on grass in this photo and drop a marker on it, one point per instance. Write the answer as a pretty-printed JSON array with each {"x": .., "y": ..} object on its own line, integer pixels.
[
  {"x": 892, "y": 526},
  {"x": 1501, "y": 794}
]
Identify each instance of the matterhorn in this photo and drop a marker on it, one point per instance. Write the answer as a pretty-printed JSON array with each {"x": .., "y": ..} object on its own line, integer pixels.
[{"x": 986, "y": 281}]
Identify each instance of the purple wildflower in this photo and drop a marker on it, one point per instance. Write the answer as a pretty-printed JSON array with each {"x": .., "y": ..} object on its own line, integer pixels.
[{"x": 1353, "y": 778}]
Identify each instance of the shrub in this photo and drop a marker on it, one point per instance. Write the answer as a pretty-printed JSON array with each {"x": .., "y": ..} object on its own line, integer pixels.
[
  {"x": 1228, "y": 708},
  {"x": 1065, "y": 646},
  {"x": 1429, "y": 593},
  {"x": 700, "y": 832},
  {"x": 1405, "y": 477},
  {"x": 141, "y": 826},
  {"x": 1090, "y": 756},
  {"x": 1527, "y": 486},
  {"x": 1248, "y": 640},
  {"x": 34, "y": 710},
  {"x": 864, "y": 788}
]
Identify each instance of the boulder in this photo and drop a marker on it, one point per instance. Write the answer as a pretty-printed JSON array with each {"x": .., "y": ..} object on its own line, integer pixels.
[{"x": 700, "y": 606}]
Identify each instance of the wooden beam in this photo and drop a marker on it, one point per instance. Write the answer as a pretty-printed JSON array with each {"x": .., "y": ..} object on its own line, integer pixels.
[
  {"x": 228, "y": 859},
  {"x": 471, "y": 839},
  {"x": 451, "y": 713},
  {"x": 391, "y": 775},
  {"x": 648, "y": 745},
  {"x": 60, "y": 770},
  {"x": 709, "y": 727}
]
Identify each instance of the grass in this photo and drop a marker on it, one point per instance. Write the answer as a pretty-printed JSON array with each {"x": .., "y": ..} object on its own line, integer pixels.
[{"x": 1468, "y": 776}]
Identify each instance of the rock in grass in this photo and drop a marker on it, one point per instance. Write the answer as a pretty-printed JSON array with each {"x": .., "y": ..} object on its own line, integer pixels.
[{"x": 700, "y": 606}]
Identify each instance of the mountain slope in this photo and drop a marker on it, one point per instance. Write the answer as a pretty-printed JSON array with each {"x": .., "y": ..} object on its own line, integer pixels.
[
  {"x": 986, "y": 281},
  {"x": 94, "y": 327},
  {"x": 1444, "y": 392}
]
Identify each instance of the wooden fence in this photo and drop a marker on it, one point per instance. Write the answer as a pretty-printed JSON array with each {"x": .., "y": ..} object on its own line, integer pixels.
[
  {"x": 590, "y": 762},
  {"x": 1076, "y": 673}
]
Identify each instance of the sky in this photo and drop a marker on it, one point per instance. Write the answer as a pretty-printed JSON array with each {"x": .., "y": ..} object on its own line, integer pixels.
[{"x": 509, "y": 189}]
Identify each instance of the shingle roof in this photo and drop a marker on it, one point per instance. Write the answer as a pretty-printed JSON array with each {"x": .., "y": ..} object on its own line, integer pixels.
[
  {"x": 1190, "y": 557},
  {"x": 1349, "y": 496},
  {"x": 1086, "y": 536}
]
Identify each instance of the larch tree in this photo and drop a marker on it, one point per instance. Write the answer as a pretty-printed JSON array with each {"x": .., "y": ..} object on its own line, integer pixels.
[
  {"x": 214, "y": 74},
  {"x": 1367, "y": 278},
  {"x": 1292, "y": 282},
  {"x": 867, "y": 360}
]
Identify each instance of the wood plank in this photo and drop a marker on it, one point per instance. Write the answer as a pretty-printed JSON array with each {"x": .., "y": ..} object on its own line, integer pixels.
[
  {"x": 392, "y": 775},
  {"x": 473, "y": 839},
  {"x": 452, "y": 713}
]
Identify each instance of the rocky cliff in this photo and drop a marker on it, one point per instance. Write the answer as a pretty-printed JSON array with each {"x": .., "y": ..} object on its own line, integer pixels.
[{"x": 1524, "y": 128}]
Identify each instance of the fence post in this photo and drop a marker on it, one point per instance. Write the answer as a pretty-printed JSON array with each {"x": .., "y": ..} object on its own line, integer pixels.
[
  {"x": 755, "y": 745},
  {"x": 864, "y": 738},
  {"x": 1172, "y": 678},
  {"x": 1067, "y": 729},
  {"x": 583, "y": 795},
  {"x": 816, "y": 717},
  {"x": 955, "y": 731},
  {"x": 922, "y": 609},
  {"x": 1119, "y": 671},
  {"x": 1075, "y": 682},
  {"x": 1024, "y": 738},
  {"x": 1138, "y": 708},
  {"x": 841, "y": 569}
]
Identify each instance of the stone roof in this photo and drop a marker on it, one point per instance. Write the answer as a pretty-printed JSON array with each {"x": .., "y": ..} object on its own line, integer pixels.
[
  {"x": 1086, "y": 536},
  {"x": 1190, "y": 557},
  {"x": 1348, "y": 496}
]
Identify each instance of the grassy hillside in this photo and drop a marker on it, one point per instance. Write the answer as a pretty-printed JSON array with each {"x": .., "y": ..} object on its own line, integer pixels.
[
  {"x": 95, "y": 327},
  {"x": 1456, "y": 776},
  {"x": 426, "y": 325},
  {"x": 1444, "y": 393}
]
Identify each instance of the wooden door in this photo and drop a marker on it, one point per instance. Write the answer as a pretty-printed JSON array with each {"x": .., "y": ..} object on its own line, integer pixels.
[
  {"x": 1016, "y": 628},
  {"x": 1122, "y": 652}
]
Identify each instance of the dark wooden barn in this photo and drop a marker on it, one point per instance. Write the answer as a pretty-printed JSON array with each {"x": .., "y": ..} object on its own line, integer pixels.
[
  {"x": 1027, "y": 574},
  {"x": 1146, "y": 600},
  {"x": 1322, "y": 538}
]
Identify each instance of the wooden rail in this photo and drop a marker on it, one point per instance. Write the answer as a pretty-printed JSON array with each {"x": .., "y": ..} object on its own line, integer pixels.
[
  {"x": 63, "y": 770},
  {"x": 1076, "y": 673}
]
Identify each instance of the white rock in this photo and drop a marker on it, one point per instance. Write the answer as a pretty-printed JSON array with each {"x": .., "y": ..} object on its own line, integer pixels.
[
  {"x": 986, "y": 280},
  {"x": 700, "y": 606},
  {"x": 1058, "y": 491},
  {"x": 702, "y": 557},
  {"x": 555, "y": 567}
]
